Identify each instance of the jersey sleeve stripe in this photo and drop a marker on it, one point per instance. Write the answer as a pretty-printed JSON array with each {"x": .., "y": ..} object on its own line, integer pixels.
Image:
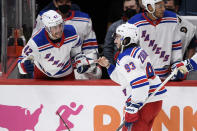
[
  {"x": 89, "y": 40},
  {"x": 159, "y": 92},
  {"x": 136, "y": 52},
  {"x": 154, "y": 87},
  {"x": 68, "y": 63},
  {"x": 137, "y": 79},
  {"x": 176, "y": 42},
  {"x": 139, "y": 82},
  {"x": 140, "y": 85},
  {"x": 162, "y": 72},
  {"x": 177, "y": 45},
  {"x": 133, "y": 52}
]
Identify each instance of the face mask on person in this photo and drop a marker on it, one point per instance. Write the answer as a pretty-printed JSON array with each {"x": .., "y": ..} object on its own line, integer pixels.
[
  {"x": 129, "y": 13},
  {"x": 64, "y": 8}
]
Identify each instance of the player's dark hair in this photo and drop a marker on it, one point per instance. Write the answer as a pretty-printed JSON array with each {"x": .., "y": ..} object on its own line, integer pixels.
[{"x": 131, "y": 46}]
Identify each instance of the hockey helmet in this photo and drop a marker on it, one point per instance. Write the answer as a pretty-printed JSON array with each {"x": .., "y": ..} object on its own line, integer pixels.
[
  {"x": 129, "y": 34},
  {"x": 51, "y": 19},
  {"x": 150, "y": 2}
]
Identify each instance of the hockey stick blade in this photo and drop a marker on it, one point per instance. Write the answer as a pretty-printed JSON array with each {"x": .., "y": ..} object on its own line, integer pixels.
[{"x": 166, "y": 80}]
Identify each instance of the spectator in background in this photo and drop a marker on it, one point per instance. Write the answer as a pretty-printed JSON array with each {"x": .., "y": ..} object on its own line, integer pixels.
[
  {"x": 48, "y": 53},
  {"x": 158, "y": 35},
  {"x": 83, "y": 24},
  {"x": 172, "y": 5},
  {"x": 41, "y": 5},
  {"x": 187, "y": 30},
  {"x": 130, "y": 8},
  {"x": 115, "y": 11}
]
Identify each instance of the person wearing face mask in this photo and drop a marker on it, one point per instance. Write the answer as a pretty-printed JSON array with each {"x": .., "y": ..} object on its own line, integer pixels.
[
  {"x": 83, "y": 25},
  {"x": 61, "y": 6},
  {"x": 130, "y": 8}
]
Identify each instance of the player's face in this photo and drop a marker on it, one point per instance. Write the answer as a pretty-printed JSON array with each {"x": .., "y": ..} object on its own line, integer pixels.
[
  {"x": 57, "y": 31},
  {"x": 117, "y": 41},
  {"x": 159, "y": 9}
]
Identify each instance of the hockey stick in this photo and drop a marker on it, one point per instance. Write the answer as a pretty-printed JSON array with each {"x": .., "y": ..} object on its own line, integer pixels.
[
  {"x": 63, "y": 121},
  {"x": 150, "y": 97}
]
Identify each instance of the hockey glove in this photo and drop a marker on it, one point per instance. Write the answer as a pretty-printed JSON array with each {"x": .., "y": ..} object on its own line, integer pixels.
[
  {"x": 131, "y": 112},
  {"x": 181, "y": 73},
  {"x": 82, "y": 63},
  {"x": 29, "y": 67},
  {"x": 186, "y": 66}
]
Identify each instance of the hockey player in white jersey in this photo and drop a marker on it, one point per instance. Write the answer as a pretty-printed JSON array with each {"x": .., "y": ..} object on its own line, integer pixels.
[
  {"x": 49, "y": 52},
  {"x": 158, "y": 35},
  {"x": 83, "y": 25},
  {"x": 134, "y": 72}
]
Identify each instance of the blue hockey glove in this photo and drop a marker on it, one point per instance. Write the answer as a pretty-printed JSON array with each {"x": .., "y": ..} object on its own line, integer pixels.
[{"x": 29, "y": 67}]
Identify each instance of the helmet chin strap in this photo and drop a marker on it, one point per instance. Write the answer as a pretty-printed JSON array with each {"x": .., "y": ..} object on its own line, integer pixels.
[
  {"x": 122, "y": 48},
  {"x": 154, "y": 15},
  {"x": 152, "y": 12}
]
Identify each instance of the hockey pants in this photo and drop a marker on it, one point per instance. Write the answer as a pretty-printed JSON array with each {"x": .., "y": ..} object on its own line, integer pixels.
[{"x": 146, "y": 117}]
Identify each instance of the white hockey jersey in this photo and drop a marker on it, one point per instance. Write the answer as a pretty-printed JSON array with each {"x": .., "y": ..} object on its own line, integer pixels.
[
  {"x": 83, "y": 25},
  {"x": 134, "y": 71},
  {"x": 54, "y": 60},
  {"x": 187, "y": 31},
  {"x": 160, "y": 40}
]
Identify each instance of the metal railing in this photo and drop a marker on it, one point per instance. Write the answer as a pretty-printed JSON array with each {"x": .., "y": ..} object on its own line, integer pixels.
[{"x": 15, "y": 14}]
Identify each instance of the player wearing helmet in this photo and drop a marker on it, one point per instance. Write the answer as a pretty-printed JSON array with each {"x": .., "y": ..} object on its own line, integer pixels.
[
  {"x": 134, "y": 72},
  {"x": 159, "y": 37},
  {"x": 49, "y": 52},
  {"x": 126, "y": 35},
  {"x": 83, "y": 25},
  {"x": 53, "y": 24}
]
